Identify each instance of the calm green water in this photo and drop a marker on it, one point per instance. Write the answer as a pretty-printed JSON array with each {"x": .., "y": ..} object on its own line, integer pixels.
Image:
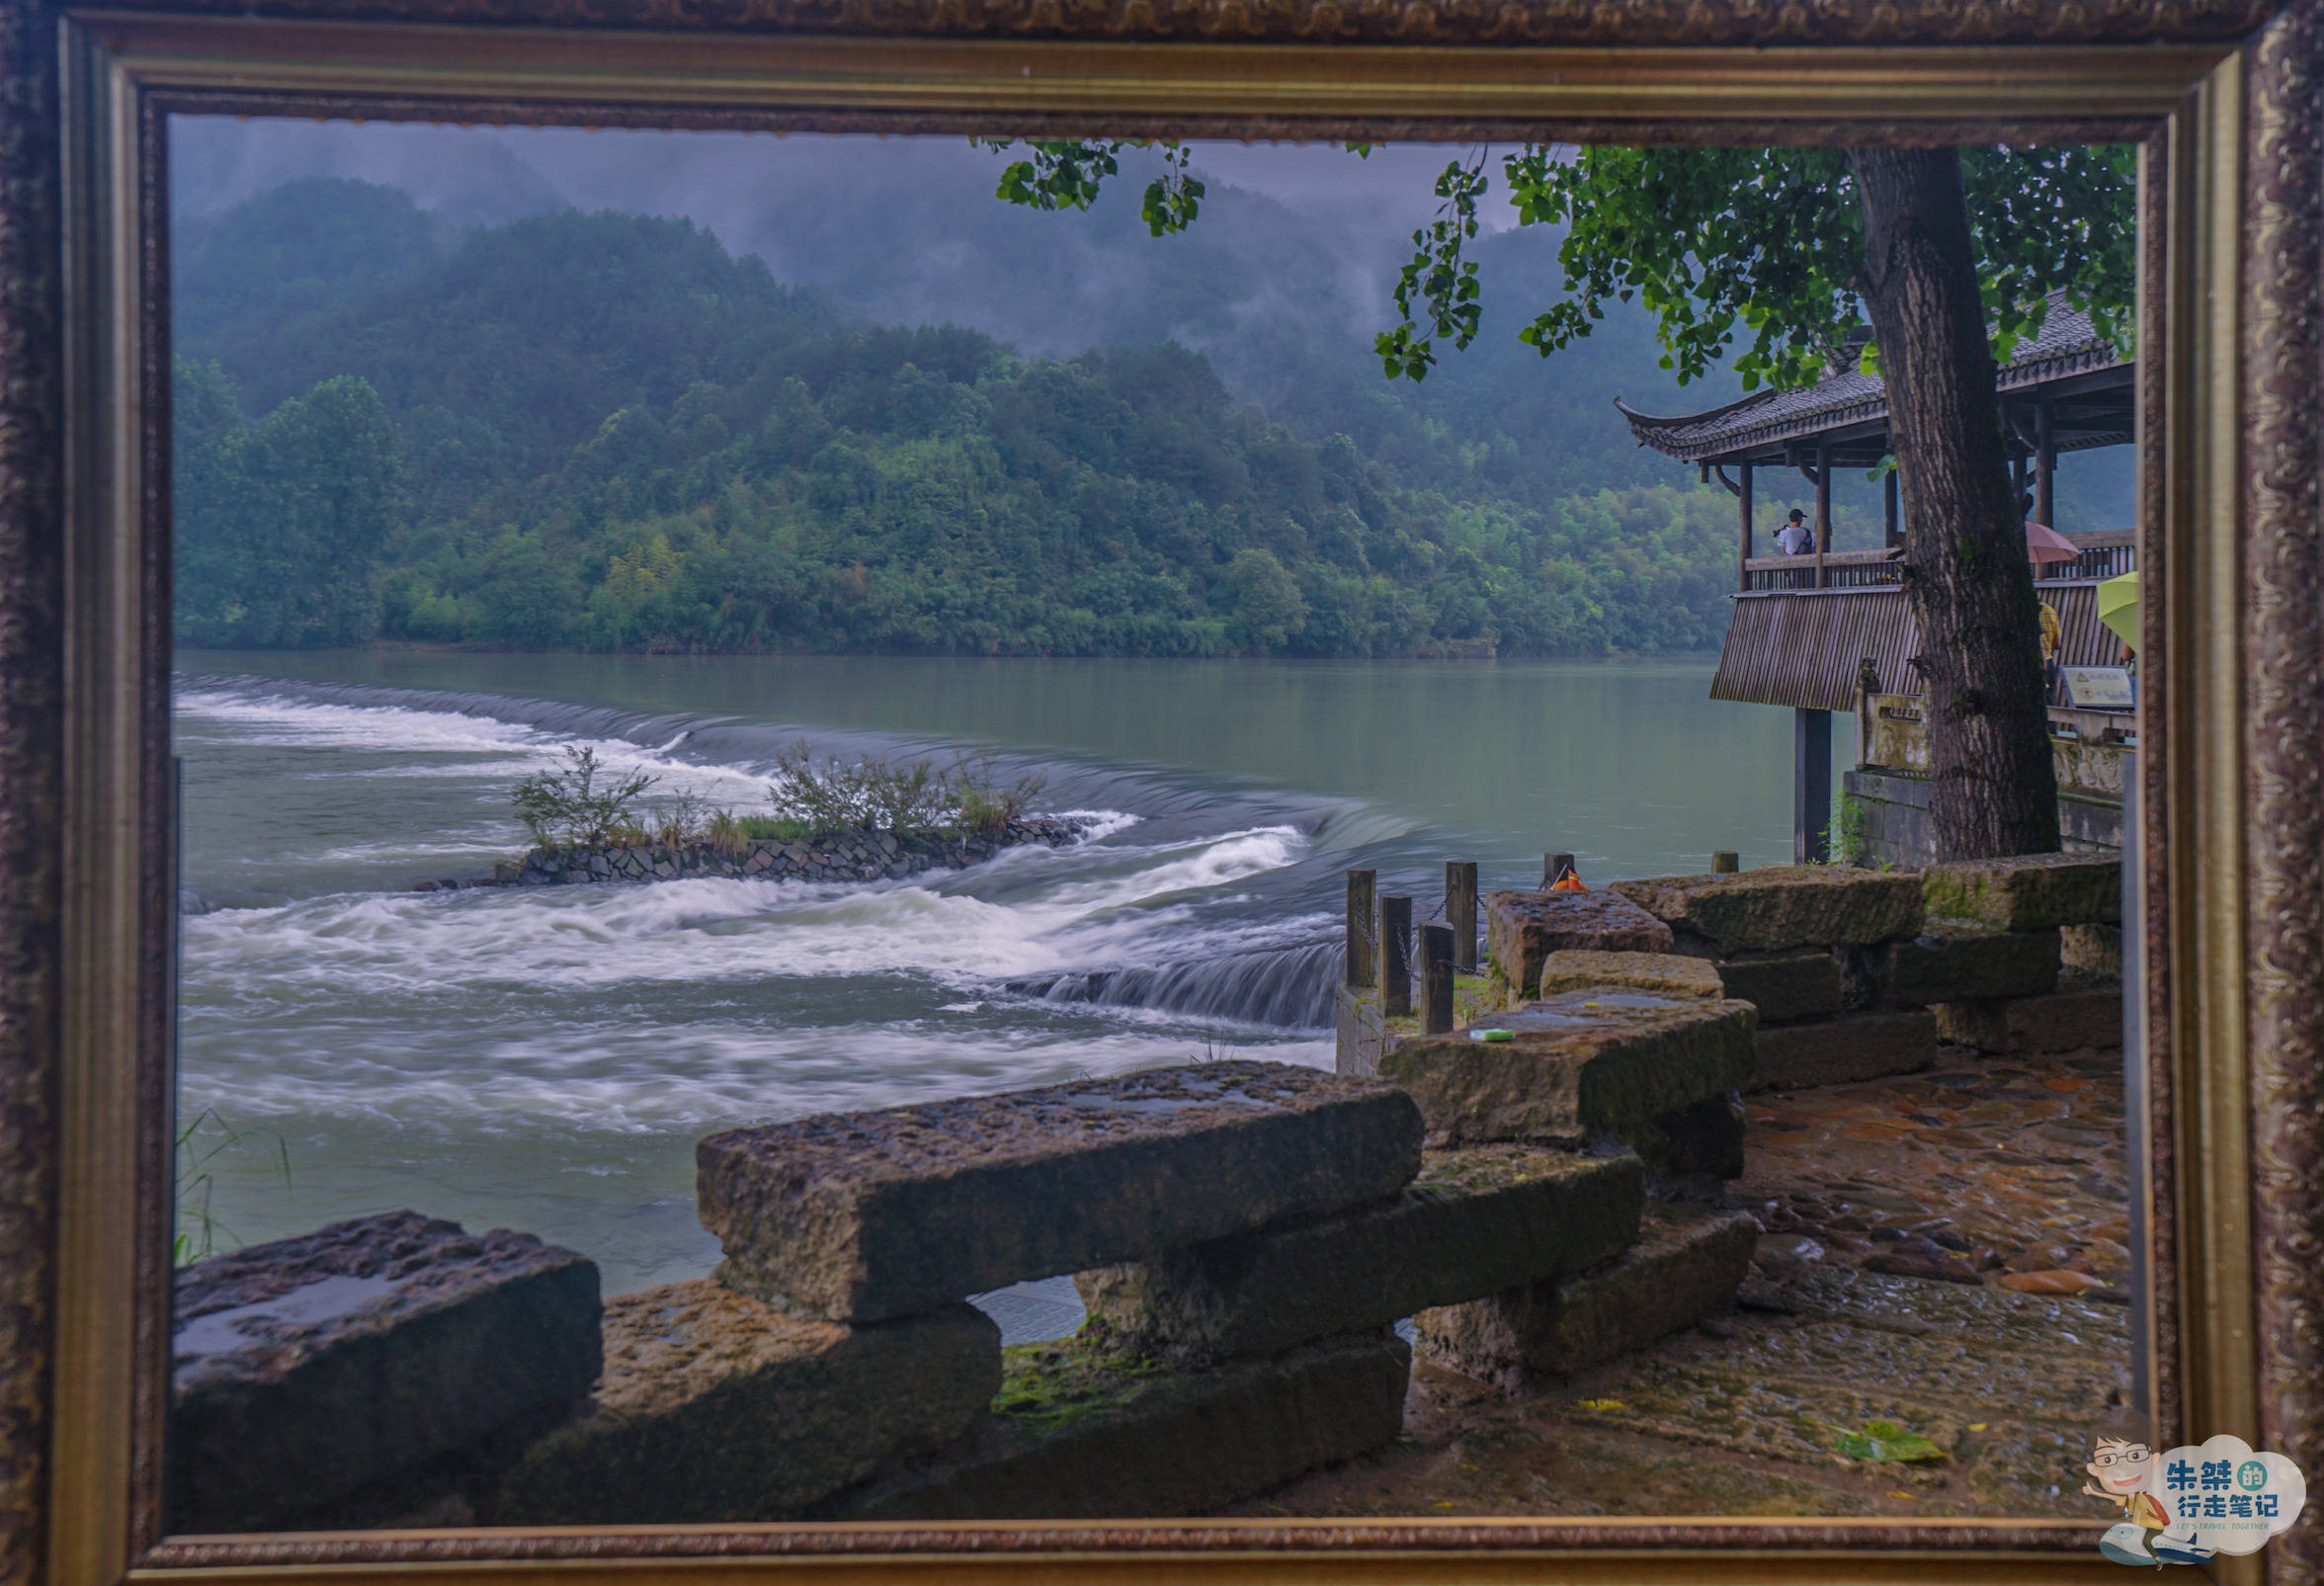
[{"x": 545, "y": 1059}]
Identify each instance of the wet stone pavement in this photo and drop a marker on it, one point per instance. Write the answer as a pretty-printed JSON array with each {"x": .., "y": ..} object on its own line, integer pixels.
[{"x": 1997, "y": 1335}]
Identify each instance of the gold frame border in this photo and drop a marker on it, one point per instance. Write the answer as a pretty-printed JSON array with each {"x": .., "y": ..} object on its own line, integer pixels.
[{"x": 119, "y": 72}]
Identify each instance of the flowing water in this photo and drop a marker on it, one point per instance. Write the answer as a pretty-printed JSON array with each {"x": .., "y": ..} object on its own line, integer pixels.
[{"x": 545, "y": 1058}]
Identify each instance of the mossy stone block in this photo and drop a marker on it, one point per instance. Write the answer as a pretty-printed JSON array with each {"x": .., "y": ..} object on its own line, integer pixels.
[
  {"x": 2031, "y": 892},
  {"x": 1783, "y": 906},
  {"x": 1474, "y": 1222}
]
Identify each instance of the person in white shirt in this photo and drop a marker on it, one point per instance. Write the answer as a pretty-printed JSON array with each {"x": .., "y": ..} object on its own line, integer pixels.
[{"x": 1796, "y": 538}]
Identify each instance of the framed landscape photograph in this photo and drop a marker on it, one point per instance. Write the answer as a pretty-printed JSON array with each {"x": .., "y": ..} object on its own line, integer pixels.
[{"x": 728, "y": 734}]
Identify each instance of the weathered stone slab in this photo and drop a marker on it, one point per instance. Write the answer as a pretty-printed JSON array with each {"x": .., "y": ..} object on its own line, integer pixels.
[
  {"x": 716, "y": 1407},
  {"x": 859, "y": 1216},
  {"x": 1686, "y": 1264},
  {"x": 2033, "y": 893},
  {"x": 1582, "y": 1062},
  {"x": 1783, "y": 906},
  {"x": 2084, "y": 1015},
  {"x": 1953, "y": 963},
  {"x": 1671, "y": 974},
  {"x": 1803, "y": 984},
  {"x": 1843, "y": 1050},
  {"x": 1523, "y": 928},
  {"x": 1701, "y": 1140},
  {"x": 1474, "y": 1222},
  {"x": 1080, "y": 1431},
  {"x": 345, "y": 1360},
  {"x": 2095, "y": 949}
]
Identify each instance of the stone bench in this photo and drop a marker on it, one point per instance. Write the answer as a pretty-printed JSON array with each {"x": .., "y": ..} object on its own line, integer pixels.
[
  {"x": 867, "y": 1215},
  {"x": 328, "y": 1375}
]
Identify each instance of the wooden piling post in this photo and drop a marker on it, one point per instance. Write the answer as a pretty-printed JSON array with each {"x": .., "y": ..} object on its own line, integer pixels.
[
  {"x": 1460, "y": 912},
  {"x": 1436, "y": 979},
  {"x": 1395, "y": 956},
  {"x": 1555, "y": 868},
  {"x": 1724, "y": 862},
  {"x": 1362, "y": 964}
]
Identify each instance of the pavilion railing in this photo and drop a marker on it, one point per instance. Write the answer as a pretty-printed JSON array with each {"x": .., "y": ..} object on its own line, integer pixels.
[{"x": 2105, "y": 554}]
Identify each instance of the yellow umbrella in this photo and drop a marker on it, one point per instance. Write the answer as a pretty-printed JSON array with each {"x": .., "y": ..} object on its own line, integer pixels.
[{"x": 2117, "y": 608}]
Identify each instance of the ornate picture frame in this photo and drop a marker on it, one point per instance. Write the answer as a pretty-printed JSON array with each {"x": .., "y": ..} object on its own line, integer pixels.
[{"x": 2221, "y": 94}]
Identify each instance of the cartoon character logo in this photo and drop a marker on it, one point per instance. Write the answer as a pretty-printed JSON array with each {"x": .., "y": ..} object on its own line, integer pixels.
[
  {"x": 2122, "y": 1470},
  {"x": 2184, "y": 1506}
]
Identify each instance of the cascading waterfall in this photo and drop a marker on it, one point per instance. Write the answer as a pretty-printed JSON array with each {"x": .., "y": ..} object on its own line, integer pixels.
[{"x": 1286, "y": 987}]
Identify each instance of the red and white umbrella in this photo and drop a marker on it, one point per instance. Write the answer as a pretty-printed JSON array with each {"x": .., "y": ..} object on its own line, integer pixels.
[{"x": 2045, "y": 544}]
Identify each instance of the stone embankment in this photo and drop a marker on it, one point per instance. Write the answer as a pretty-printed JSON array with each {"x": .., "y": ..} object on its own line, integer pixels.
[{"x": 856, "y": 856}]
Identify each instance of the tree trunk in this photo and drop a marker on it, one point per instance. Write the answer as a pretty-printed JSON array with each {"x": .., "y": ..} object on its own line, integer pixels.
[{"x": 1992, "y": 792}]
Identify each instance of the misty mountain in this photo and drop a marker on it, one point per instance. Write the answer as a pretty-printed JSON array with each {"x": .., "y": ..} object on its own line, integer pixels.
[
  {"x": 1282, "y": 291},
  {"x": 608, "y": 431}
]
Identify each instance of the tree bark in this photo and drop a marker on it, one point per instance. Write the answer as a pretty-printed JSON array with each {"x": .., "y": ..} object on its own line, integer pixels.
[{"x": 1992, "y": 791}]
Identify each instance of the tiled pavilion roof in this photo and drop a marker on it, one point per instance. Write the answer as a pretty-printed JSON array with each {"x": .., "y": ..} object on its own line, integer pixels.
[{"x": 2069, "y": 364}]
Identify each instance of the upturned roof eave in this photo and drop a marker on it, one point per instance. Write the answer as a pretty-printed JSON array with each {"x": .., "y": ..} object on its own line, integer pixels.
[{"x": 1716, "y": 436}]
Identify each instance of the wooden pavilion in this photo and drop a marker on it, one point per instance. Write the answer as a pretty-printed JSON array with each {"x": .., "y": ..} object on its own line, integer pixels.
[{"x": 1818, "y": 632}]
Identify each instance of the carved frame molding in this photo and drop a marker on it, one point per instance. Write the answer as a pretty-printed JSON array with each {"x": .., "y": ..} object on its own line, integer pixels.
[{"x": 2234, "y": 726}]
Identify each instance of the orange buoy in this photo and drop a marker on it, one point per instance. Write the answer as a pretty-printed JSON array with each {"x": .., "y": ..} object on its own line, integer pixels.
[{"x": 1570, "y": 883}]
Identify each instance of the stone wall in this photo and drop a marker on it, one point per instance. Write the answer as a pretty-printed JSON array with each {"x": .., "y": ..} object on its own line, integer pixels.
[{"x": 869, "y": 855}]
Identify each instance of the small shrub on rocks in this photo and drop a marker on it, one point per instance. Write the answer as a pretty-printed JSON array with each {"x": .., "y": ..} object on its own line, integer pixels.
[
  {"x": 869, "y": 794},
  {"x": 581, "y": 806}
]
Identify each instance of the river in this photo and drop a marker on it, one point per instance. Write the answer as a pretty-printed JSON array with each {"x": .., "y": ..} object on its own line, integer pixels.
[{"x": 545, "y": 1058}]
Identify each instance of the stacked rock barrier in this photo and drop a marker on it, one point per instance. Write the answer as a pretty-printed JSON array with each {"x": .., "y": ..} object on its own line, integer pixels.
[
  {"x": 1861, "y": 974},
  {"x": 833, "y": 1369},
  {"x": 864, "y": 856}
]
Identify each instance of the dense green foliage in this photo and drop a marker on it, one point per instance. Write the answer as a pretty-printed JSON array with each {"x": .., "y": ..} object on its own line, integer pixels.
[
  {"x": 605, "y": 432},
  {"x": 1713, "y": 242}
]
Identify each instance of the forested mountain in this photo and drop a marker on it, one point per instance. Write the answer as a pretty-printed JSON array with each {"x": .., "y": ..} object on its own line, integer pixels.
[{"x": 608, "y": 431}]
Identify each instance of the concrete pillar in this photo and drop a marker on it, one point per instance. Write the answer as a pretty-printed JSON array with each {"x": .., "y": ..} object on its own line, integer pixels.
[{"x": 1811, "y": 786}]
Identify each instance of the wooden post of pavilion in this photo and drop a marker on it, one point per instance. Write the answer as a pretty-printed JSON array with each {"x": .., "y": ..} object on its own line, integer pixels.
[
  {"x": 2044, "y": 466},
  {"x": 1823, "y": 485},
  {"x": 1811, "y": 786},
  {"x": 1743, "y": 527}
]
